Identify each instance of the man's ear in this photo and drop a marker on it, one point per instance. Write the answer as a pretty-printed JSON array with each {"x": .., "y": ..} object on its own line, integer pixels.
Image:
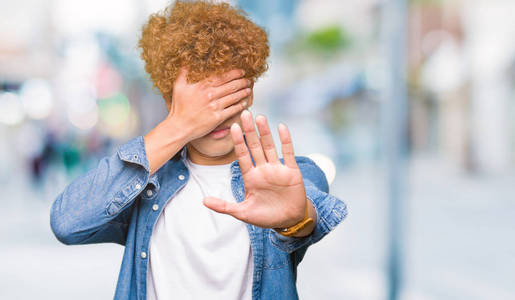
[{"x": 251, "y": 96}]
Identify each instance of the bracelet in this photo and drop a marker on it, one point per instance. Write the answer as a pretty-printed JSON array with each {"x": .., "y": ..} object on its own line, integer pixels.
[{"x": 289, "y": 231}]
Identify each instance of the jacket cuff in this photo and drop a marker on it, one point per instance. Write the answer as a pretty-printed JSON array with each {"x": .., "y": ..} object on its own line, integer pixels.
[
  {"x": 330, "y": 212},
  {"x": 134, "y": 152}
]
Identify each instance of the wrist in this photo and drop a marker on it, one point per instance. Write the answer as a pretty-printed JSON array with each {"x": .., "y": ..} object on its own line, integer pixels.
[
  {"x": 163, "y": 142},
  {"x": 163, "y": 136},
  {"x": 309, "y": 228},
  {"x": 174, "y": 130},
  {"x": 298, "y": 219},
  {"x": 303, "y": 226}
]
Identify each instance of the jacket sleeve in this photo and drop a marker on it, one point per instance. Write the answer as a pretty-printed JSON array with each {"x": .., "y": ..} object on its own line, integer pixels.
[
  {"x": 96, "y": 207},
  {"x": 330, "y": 210}
]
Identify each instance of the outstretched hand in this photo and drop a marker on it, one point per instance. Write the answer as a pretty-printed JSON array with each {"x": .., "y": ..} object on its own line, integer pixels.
[{"x": 275, "y": 196}]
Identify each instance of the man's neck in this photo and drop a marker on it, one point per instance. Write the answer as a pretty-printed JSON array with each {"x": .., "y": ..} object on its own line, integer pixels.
[{"x": 202, "y": 159}]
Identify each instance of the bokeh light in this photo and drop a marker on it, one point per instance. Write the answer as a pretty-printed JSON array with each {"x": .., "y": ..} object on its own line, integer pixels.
[
  {"x": 326, "y": 164},
  {"x": 114, "y": 111},
  {"x": 11, "y": 110},
  {"x": 115, "y": 114},
  {"x": 37, "y": 99},
  {"x": 83, "y": 119}
]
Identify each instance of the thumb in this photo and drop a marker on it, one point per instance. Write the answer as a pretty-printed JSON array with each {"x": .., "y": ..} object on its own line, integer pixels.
[{"x": 221, "y": 206}]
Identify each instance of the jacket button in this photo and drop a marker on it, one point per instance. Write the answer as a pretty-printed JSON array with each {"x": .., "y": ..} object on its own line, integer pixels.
[
  {"x": 143, "y": 255},
  {"x": 155, "y": 207},
  {"x": 138, "y": 186},
  {"x": 149, "y": 193},
  {"x": 181, "y": 177}
]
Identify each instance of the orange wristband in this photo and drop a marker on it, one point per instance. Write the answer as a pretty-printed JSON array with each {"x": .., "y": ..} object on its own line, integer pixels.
[{"x": 289, "y": 231}]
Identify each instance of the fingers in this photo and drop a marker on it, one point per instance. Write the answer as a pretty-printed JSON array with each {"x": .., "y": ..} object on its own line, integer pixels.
[
  {"x": 267, "y": 140},
  {"x": 234, "y": 98},
  {"x": 224, "y": 207},
  {"x": 218, "y": 80},
  {"x": 287, "y": 146},
  {"x": 262, "y": 149},
  {"x": 252, "y": 138},
  {"x": 233, "y": 109},
  {"x": 241, "y": 150},
  {"x": 230, "y": 88}
]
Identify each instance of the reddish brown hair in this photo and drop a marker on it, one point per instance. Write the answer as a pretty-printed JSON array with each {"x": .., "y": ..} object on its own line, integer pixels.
[{"x": 206, "y": 37}]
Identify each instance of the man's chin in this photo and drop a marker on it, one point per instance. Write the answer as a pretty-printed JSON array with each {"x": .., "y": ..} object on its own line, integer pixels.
[{"x": 219, "y": 150}]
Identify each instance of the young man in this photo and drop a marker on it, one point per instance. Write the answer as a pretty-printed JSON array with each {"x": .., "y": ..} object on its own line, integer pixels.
[{"x": 202, "y": 204}]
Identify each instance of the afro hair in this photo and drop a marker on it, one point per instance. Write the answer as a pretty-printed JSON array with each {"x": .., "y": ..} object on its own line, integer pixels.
[{"x": 206, "y": 37}]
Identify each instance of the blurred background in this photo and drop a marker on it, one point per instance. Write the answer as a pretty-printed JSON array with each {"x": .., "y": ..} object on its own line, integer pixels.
[{"x": 418, "y": 140}]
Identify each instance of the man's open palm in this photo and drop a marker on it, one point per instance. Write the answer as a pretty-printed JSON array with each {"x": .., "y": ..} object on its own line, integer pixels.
[{"x": 274, "y": 192}]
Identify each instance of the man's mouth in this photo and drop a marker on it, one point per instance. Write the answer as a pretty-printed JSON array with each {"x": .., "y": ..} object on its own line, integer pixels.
[
  {"x": 220, "y": 132},
  {"x": 220, "y": 129}
]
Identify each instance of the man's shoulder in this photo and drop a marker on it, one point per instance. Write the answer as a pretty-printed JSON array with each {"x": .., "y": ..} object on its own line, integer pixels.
[
  {"x": 306, "y": 163},
  {"x": 312, "y": 172},
  {"x": 304, "y": 160}
]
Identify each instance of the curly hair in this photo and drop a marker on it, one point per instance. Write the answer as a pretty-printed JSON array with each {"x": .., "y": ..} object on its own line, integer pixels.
[{"x": 206, "y": 37}]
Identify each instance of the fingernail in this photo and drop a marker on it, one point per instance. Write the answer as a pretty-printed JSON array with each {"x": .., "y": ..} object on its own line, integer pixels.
[{"x": 244, "y": 103}]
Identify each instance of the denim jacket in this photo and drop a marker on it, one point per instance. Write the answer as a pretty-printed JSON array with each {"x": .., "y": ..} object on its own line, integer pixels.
[{"x": 119, "y": 202}]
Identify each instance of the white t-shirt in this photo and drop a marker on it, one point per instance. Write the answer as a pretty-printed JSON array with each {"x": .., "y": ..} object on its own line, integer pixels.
[{"x": 195, "y": 252}]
